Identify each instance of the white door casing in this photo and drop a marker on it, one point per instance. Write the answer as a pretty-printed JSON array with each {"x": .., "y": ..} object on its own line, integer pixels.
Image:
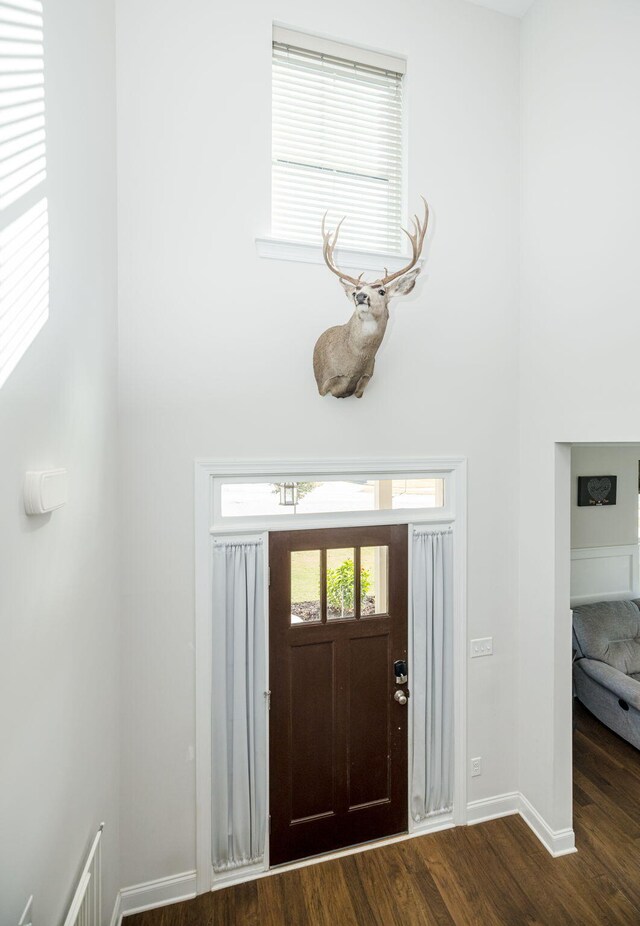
[{"x": 209, "y": 524}]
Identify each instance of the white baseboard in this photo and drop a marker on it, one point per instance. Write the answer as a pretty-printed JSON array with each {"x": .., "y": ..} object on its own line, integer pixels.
[
  {"x": 491, "y": 808},
  {"x": 164, "y": 891},
  {"x": 560, "y": 842},
  {"x": 556, "y": 842},
  {"x": 151, "y": 894}
]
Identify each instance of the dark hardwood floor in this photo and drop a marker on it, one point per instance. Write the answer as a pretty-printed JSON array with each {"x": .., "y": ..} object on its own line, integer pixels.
[{"x": 493, "y": 873}]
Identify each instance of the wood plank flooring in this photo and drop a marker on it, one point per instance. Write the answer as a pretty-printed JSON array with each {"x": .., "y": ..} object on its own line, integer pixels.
[{"x": 493, "y": 874}]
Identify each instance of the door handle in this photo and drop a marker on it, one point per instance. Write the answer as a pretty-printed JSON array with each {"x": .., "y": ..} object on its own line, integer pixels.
[{"x": 400, "y": 697}]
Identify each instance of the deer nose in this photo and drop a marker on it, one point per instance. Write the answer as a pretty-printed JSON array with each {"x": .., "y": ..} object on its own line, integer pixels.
[{"x": 361, "y": 298}]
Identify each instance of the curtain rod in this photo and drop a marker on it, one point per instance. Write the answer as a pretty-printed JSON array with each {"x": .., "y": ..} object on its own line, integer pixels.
[
  {"x": 417, "y": 532},
  {"x": 237, "y": 542}
]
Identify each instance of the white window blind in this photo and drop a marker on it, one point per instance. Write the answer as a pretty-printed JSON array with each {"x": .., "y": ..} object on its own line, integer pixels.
[
  {"x": 24, "y": 224},
  {"x": 337, "y": 146}
]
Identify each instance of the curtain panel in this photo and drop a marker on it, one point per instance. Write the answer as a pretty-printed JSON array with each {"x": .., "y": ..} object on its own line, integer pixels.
[
  {"x": 432, "y": 672},
  {"x": 239, "y": 706}
]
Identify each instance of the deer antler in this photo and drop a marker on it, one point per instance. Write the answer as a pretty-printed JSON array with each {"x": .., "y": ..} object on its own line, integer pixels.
[
  {"x": 330, "y": 239},
  {"x": 328, "y": 245},
  {"x": 416, "y": 239}
]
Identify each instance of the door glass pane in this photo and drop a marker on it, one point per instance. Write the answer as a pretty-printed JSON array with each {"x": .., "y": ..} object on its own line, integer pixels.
[
  {"x": 305, "y": 586},
  {"x": 374, "y": 581},
  {"x": 340, "y": 584}
]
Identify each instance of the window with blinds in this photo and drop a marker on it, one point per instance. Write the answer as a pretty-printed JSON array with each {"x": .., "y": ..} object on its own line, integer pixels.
[
  {"x": 24, "y": 223},
  {"x": 337, "y": 143}
]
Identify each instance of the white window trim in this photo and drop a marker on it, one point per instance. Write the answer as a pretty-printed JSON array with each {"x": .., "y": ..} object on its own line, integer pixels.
[
  {"x": 337, "y": 470},
  {"x": 205, "y": 474},
  {"x": 270, "y": 247},
  {"x": 361, "y": 54},
  {"x": 369, "y": 261},
  {"x": 24, "y": 211}
]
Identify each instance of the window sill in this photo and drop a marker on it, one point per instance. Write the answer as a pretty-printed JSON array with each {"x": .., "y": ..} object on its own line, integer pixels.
[{"x": 346, "y": 258}]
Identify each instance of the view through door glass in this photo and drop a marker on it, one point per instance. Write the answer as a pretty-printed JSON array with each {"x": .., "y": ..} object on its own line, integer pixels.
[{"x": 338, "y": 721}]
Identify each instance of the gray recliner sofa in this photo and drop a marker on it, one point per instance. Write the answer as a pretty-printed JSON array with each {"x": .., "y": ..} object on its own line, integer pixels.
[{"x": 606, "y": 671}]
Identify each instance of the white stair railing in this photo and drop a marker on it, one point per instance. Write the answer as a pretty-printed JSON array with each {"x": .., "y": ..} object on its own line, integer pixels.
[{"x": 86, "y": 906}]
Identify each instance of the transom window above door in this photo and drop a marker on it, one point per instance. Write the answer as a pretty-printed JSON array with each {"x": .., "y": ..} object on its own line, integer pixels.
[
  {"x": 306, "y": 497},
  {"x": 279, "y": 495}
]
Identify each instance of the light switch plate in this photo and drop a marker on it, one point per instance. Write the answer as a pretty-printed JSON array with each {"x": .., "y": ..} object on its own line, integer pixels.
[{"x": 482, "y": 647}]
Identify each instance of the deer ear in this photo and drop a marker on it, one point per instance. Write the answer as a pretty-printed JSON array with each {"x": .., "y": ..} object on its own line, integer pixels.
[
  {"x": 347, "y": 287},
  {"x": 404, "y": 285}
]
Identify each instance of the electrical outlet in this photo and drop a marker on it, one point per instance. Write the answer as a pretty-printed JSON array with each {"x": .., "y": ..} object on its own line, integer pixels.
[
  {"x": 476, "y": 767},
  {"x": 483, "y": 647},
  {"x": 25, "y": 919}
]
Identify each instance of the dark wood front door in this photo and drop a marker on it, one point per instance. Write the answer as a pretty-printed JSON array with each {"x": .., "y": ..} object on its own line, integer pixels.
[{"x": 338, "y": 737}]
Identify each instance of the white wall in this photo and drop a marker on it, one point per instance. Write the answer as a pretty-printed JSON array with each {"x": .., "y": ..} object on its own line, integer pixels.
[
  {"x": 605, "y": 525},
  {"x": 216, "y": 343},
  {"x": 579, "y": 330},
  {"x": 58, "y": 583},
  {"x": 215, "y": 362}
]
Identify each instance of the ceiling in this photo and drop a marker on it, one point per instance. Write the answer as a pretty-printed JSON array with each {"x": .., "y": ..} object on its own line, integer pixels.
[{"x": 510, "y": 7}]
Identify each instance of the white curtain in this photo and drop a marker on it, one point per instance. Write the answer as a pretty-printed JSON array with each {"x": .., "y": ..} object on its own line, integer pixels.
[
  {"x": 238, "y": 704},
  {"x": 432, "y": 674}
]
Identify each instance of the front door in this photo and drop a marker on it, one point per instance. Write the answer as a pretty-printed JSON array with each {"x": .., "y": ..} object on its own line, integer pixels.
[{"x": 338, "y": 721}]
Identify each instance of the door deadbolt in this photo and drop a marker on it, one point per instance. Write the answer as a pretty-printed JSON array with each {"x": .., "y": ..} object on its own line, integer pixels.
[{"x": 400, "y": 671}]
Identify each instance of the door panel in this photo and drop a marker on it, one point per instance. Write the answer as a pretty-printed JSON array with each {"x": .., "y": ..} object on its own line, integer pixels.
[
  {"x": 369, "y": 752},
  {"x": 312, "y": 745},
  {"x": 338, "y": 739}
]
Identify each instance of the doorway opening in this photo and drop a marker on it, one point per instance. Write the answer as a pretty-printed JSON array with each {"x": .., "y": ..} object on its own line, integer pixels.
[
  {"x": 346, "y": 574},
  {"x": 605, "y": 600}
]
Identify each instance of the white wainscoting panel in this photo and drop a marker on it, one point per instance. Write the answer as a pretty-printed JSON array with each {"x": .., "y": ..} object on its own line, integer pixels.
[{"x": 604, "y": 573}]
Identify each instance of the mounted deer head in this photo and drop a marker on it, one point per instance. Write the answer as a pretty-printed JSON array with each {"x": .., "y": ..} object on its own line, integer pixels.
[{"x": 344, "y": 356}]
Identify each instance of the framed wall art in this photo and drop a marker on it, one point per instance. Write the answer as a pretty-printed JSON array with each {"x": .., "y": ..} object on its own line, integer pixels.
[{"x": 597, "y": 491}]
